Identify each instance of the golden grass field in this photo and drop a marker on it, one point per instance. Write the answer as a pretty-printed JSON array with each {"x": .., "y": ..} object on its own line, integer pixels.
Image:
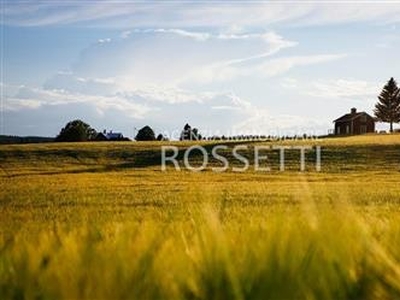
[{"x": 102, "y": 221}]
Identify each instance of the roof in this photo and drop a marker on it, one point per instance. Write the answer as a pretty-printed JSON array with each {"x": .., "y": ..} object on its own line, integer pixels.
[
  {"x": 350, "y": 117},
  {"x": 101, "y": 136},
  {"x": 113, "y": 135}
]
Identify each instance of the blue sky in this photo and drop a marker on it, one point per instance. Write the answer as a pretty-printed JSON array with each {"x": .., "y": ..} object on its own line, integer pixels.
[{"x": 282, "y": 67}]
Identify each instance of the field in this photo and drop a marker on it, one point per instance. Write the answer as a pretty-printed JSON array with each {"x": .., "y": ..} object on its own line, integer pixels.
[{"x": 102, "y": 221}]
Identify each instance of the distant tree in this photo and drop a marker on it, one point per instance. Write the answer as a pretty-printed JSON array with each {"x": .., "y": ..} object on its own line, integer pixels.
[
  {"x": 76, "y": 131},
  {"x": 195, "y": 135},
  {"x": 185, "y": 134},
  {"x": 189, "y": 134},
  {"x": 145, "y": 134},
  {"x": 388, "y": 107},
  {"x": 161, "y": 137}
]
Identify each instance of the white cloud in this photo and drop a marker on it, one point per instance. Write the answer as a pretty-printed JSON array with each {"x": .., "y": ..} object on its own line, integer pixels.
[
  {"x": 125, "y": 86},
  {"x": 35, "y": 98},
  {"x": 229, "y": 70},
  {"x": 344, "y": 88},
  {"x": 166, "y": 108},
  {"x": 289, "y": 83},
  {"x": 278, "y": 66},
  {"x": 136, "y": 103},
  {"x": 15, "y": 104},
  {"x": 170, "y": 95},
  {"x": 199, "y": 36},
  {"x": 156, "y": 79},
  {"x": 388, "y": 40},
  {"x": 26, "y": 13},
  {"x": 125, "y": 34},
  {"x": 82, "y": 85},
  {"x": 261, "y": 121},
  {"x": 340, "y": 88},
  {"x": 382, "y": 12},
  {"x": 275, "y": 42},
  {"x": 271, "y": 38},
  {"x": 102, "y": 41},
  {"x": 184, "y": 56},
  {"x": 124, "y": 14}
]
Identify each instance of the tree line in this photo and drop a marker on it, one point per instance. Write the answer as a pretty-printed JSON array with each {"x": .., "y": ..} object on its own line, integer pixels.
[
  {"x": 188, "y": 134},
  {"x": 387, "y": 110},
  {"x": 79, "y": 131}
]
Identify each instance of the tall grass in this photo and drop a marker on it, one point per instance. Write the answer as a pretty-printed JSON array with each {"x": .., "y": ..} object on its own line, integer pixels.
[
  {"x": 138, "y": 233},
  {"x": 318, "y": 251}
]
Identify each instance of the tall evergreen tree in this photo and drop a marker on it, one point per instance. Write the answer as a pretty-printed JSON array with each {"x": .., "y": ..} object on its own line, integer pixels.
[{"x": 388, "y": 107}]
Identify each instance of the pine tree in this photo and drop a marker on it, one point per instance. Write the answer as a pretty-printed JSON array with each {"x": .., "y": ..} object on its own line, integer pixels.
[{"x": 388, "y": 107}]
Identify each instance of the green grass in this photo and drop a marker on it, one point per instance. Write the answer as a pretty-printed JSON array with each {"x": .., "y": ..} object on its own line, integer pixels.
[{"x": 102, "y": 221}]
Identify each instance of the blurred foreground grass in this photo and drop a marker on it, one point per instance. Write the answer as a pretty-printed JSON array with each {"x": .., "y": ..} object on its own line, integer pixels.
[{"x": 74, "y": 224}]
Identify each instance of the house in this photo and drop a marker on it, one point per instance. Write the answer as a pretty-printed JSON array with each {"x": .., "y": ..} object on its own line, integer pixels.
[
  {"x": 100, "y": 137},
  {"x": 114, "y": 136},
  {"x": 354, "y": 123},
  {"x": 110, "y": 136}
]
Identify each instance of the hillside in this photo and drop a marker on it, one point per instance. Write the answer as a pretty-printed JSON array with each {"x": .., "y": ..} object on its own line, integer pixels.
[{"x": 360, "y": 153}]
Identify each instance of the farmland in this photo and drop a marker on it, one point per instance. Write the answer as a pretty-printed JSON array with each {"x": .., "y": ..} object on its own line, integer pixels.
[{"x": 101, "y": 221}]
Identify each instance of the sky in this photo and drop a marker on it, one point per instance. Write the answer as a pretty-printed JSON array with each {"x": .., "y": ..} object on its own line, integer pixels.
[{"x": 225, "y": 67}]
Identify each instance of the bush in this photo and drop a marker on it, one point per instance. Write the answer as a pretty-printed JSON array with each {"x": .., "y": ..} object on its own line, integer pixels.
[
  {"x": 145, "y": 134},
  {"x": 76, "y": 131},
  {"x": 161, "y": 137}
]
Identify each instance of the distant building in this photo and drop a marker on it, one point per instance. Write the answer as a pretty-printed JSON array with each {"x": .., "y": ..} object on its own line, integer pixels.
[
  {"x": 110, "y": 136},
  {"x": 354, "y": 123}
]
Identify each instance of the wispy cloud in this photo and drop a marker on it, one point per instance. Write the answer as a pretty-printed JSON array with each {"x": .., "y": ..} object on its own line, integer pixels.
[
  {"x": 199, "y": 36},
  {"x": 102, "y": 41},
  {"x": 275, "y": 42},
  {"x": 269, "y": 37},
  {"x": 278, "y": 66},
  {"x": 29, "y": 13},
  {"x": 159, "y": 106},
  {"x": 185, "y": 56},
  {"x": 229, "y": 70},
  {"x": 126, "y": 14},
  {"x": 34, "y": 98},
  {"x": 125, "y": 34},
  {"x": 262, "y": 122},
  {"x": 342, "y": 88}
]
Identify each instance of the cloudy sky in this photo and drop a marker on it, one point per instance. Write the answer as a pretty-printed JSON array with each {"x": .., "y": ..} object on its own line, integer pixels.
[{"x": 276, "y": 67}]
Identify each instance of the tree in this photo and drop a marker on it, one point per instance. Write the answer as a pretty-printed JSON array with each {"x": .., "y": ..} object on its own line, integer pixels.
[
  {"x": 145, "y": 134},
  {"x": 195, "y": 135},
  {"x": 76, "y": 131},
  {"x": 185, "y": 134},
  {"x": 161, "y": 137},
  {"x": 189, "y": 134},
  {"x": 388, "y": 107}
]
